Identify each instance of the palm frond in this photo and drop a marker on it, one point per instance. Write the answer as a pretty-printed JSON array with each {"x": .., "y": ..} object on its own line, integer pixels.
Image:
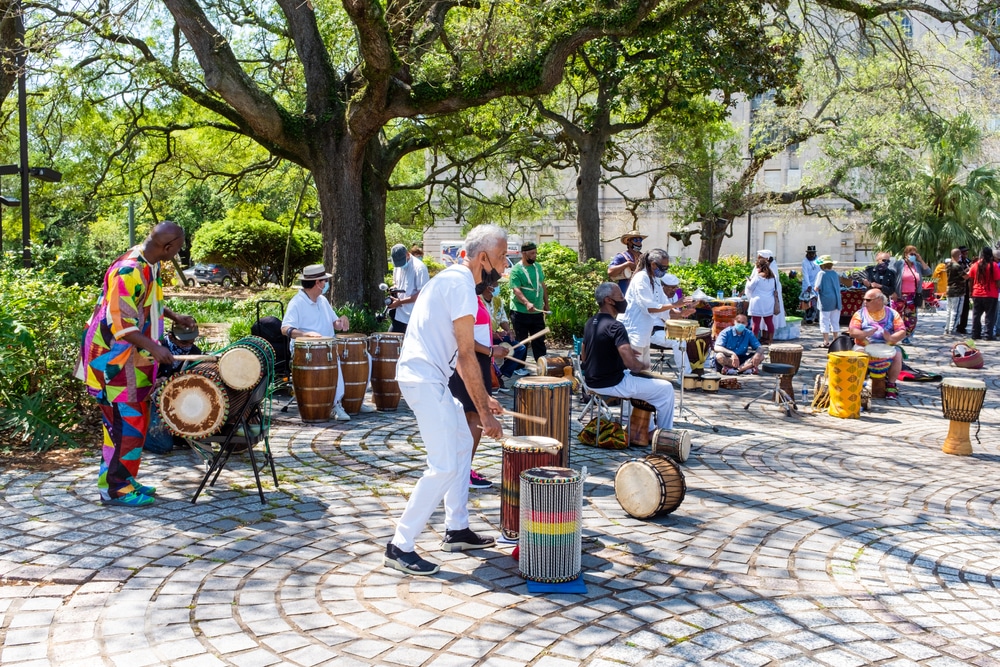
[{"x": 28, "y": 419}]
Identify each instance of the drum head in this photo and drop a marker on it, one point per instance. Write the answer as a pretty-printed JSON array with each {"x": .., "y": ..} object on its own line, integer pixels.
[
  {"x": 550, "y": 475},
  {"x": 964, "y": 383},
  {"x": 312, "y": 341},
  {"x": 240, "y": 368},
  {"x": 532, "y": 443},
  {"x": 542, "y": 381},
  {"x": 193, "y": 405},
  {"x": 880, "y": 350}
]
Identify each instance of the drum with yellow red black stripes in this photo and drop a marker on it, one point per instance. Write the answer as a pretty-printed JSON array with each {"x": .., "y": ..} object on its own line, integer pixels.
[{"x": 551, "y": 531}]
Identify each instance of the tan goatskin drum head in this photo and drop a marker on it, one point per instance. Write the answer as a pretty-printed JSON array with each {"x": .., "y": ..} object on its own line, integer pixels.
[
  {"x": 193, "y": 405},
  {"x": 240, "y": 368}
]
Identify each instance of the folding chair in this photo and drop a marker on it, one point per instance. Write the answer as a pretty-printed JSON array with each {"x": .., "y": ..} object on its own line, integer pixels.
[
  {"x": 596, "y": 403},
  {"x": 244, "y": 431}
]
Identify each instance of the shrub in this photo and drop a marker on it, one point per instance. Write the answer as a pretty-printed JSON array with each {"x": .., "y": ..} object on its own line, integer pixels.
[
  {"x": 730, "y": 272},
  {"x": 251, "y": 245},
  {"x": 571, "y": 286}
]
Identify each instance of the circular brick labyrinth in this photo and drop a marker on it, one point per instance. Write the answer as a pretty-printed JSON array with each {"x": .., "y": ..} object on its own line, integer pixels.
[{"x": 805, "y": 540}]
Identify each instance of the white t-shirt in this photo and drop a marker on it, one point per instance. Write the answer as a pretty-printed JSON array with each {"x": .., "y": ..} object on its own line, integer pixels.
[
  {"x": 307, "y": 315},
  {"x": 642, "y": 296},
  {"x": 410, "y": 279},
  {"x": 422, "y": 275},
  {"x": 430, "y": 349}
]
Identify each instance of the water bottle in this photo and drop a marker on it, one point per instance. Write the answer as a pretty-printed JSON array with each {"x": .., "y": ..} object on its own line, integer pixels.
[
  {"x": 805, "y": 393},
  {"x": 720, "y": 295}
]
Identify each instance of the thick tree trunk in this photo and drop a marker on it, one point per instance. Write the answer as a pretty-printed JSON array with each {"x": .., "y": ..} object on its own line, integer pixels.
[
  {"x": 713, "y": 231},
  {"x": 588, "y": 188},
  {"x": 352, "y": 200}
]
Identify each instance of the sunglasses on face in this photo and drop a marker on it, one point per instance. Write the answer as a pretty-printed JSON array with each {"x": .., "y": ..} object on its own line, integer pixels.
[{"x": 870, "y": 299}]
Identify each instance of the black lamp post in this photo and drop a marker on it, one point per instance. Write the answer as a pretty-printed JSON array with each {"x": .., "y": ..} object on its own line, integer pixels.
[{"x": 5, "y": 201}]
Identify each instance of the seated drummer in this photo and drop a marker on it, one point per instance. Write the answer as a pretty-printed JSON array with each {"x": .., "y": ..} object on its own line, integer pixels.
[
  {"x": 737, "y": 350},
  {"x": 877, "y": 323},
  {"x": 679, "y": 309},
  {"x": 608, "y": 359},
  {"x": 309, "y": 316}
]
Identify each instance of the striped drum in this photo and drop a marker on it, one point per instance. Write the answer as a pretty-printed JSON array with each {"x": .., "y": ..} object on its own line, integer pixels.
[{"x": 551, "y": 535}]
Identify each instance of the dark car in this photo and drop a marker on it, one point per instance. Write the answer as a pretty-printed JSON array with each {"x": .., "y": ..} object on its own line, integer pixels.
[{"x": 213, "y": 273}]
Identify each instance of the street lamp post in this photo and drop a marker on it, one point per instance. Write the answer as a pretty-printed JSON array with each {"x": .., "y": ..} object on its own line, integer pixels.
[{"x": 5, "y": 201}]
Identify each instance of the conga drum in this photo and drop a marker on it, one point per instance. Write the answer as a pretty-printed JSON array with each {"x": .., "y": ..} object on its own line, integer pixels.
[
  {"x": 555, "y": 366},
  {"x": 520, "y": 454},
  {"x": 791, "y": 354},
  {"x": 649, "y": 487},
  {"x": 699, "y": 347},
  {"x": 353, "y": 351},
  {"x": 548, "y": 397},
  {"x": 722, "y": 317},
  {"x": 845, "y": 372},
  {"x": 880, "y": 357},
  {"x": 551, "y": 537},
  {"x": 195, "y": 403},
  {"x": 314, "y": 377},
  {"x": 676, "y": 444},
  {"x": 638, "y": 422},
  {"x": 961, "y": 401},
  {"x": 384, "y": 348}
]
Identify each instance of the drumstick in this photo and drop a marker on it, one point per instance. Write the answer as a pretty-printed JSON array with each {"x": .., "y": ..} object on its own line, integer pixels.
[
  {"x": 523, "y": 363},
  {"x": 195, "y": 357},
  {"x": 526, "y": 417},
  {"x": 533, "y": 337}
]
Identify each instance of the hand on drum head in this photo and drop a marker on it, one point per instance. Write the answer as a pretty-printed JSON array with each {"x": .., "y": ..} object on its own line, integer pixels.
[{"x": 491, "y": 426}]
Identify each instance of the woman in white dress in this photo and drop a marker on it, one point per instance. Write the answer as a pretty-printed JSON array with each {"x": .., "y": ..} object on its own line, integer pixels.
[
  {"x": 647, "y": 303},
  {"x": 763, "y": 291}
]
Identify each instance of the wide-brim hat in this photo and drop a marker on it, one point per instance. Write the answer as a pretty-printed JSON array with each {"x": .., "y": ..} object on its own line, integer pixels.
[
  {"x": 632, "y": 235},
  {"x": 185, "y": 333},
  {"x": 824, "y": 259},
  {"x": 314, "y": 272}
]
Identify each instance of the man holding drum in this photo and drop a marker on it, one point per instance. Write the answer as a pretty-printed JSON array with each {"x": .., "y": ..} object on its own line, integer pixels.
[
  {"x": 438, "y": 341},
  {"x": 309, "y": 316},
  {"x": 408, "y": 279},
  {"x": 609, "y": 361},
  {"x": 876, "y": 323},
  {"x": 121, "y": 355}
]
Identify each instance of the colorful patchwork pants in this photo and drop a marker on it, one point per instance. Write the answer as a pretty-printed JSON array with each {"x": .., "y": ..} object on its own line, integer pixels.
[{"x": 125, "y": 426}]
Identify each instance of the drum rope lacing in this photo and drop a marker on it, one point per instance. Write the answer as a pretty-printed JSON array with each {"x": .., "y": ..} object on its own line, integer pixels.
[{"x": 267, "y": 352}]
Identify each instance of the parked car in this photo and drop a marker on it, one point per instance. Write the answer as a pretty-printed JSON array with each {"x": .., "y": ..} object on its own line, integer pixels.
[{"x": 211, "y": 273}]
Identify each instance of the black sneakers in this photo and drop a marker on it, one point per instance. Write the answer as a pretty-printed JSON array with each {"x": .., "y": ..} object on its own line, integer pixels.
[
  {"x": 464, "y": 540},
  {"x": 408, "y": 561}
]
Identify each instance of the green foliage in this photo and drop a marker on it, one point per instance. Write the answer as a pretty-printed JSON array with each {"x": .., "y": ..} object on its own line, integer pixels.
[
  {"x": 240, "y": 314},
  {"x": 729, "y": 273},
  {"x": 41, "y": 323},
  {"x": 571, "y": 286},
  {"x": 252, "y": 244},
  {"x": 790, "y": 290},
  {"x": 362, "y": 318}
]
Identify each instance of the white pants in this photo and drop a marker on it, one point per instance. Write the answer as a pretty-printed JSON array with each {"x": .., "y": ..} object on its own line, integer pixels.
[
  {"x": 955, "y": 304},
  {"x": 680, "y": 350},
  {"x": 448, "y": 442},
  {"x": 829, "y": 321},
  {"x": 658, "y": 393}
]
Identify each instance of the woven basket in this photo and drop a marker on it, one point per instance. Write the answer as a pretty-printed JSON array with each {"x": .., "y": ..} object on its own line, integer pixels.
[{"x": 973, "y": 360}]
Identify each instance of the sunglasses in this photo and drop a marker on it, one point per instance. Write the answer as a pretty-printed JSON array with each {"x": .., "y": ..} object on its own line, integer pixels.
[{"x": 871, "y": 299}]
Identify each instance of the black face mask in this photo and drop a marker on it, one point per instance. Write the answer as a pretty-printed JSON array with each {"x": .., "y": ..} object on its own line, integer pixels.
[
  {"x": 620, "y": 306},
  {"x": 530, "y": 261},
  {"x": 487, "y": 278}
]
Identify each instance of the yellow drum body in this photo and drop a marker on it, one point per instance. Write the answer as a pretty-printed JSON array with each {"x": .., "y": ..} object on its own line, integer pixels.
[{"x": 846, "y": 376}]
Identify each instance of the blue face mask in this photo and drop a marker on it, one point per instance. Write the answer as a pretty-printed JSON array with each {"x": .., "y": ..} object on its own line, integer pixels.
[
  {"x": 658, "y": 272},
  {"x": 326, "y": 287},
  {"x": 913, "y": 259},
  {"x": 740, "y": 327}
]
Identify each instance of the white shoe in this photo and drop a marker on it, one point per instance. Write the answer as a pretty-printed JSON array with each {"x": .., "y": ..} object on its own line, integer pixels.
[
  {"x": 521, "y": 372},
  {"x": 339, "y": 414},
  {"x": 367, "y": 408}
]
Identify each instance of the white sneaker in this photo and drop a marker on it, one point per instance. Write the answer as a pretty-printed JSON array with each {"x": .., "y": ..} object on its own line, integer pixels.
[
  {"x": 522, "y": 372},
  {"x": 367, "y": 408},
  {"x": 339, "y": 414}
]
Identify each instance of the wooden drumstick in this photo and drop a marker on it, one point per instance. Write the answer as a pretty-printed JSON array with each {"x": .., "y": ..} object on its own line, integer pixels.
[
  {"x": 526, "y": 417},
  {"x": 195, "y": 357},
  {"x": 523, "y": 363},
  {"x": 533, "y": 337}
]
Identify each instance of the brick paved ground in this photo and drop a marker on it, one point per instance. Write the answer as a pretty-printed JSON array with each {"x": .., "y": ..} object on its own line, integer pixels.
[{"x": 801, "y": 541}]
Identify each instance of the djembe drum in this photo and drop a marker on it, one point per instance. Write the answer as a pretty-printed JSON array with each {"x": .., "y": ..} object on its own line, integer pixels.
[
  {"x": 548, "y": 397},
  {"x": 682, "y": 330},
  {"x": 556, "y": 367},
  {"x": 650, "y": 486},
  {"x": 698, "y": 347},
  {"x": 520, "y": 454},
  {"x": 791, "y": 354},
  {"x": 384, "y": 348},
  {"x": 880, "y": 357},
  {"x": 551, "y": 536},
  {"x": 961, "y": 401},
  {"x": 314, "y": 377},
  {"x": 196, "y": 403},
  {"x": 353, "y": 351},
  {"x": 675, "y": 444},
  {"x": 722, "y": 317},
  {"x": 845, "y": 372},
  {"x": 638, "y": 422}
]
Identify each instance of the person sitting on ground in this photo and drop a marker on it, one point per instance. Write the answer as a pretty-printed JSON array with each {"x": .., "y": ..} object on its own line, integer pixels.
[
  {"x": 737, "y": 349},
  {"x": 877, "y": 323},
  {"x": 827, "y": 288},
  {"x": 180, "y": 340},
  {"x": 609, "y": 361}
]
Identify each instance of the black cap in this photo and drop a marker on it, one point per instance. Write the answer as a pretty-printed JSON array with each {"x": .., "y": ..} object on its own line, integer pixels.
[{"x": 530, "y": 245}]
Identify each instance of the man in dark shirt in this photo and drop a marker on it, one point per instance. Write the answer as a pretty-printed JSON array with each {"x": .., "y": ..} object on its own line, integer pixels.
[
  {"x": 608, "y": 360},
  {"x": 879, "y": 275},
  {"x": 963, "y": 320},
  {"x": 957, "y": 276}
]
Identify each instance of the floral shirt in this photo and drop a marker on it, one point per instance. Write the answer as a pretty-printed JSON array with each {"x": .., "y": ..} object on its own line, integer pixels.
[{"x": 131, "y": 300}]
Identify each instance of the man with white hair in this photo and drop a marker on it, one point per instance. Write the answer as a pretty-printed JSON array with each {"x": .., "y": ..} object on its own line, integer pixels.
[
  {"x": 439, "y": 339},
  {"x": 877, "y": 323}
]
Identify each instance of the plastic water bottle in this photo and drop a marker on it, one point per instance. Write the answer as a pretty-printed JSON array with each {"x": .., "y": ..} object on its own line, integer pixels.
[
  {"x": 805, "y": 393},
  {"x": 720, "y": 295}
]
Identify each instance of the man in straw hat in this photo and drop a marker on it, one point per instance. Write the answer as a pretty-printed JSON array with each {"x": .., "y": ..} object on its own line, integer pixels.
[
  {"x": 440, "y": 340},
  {"x": 309, "y": 316},
  {"x": 622, "y": 266}
]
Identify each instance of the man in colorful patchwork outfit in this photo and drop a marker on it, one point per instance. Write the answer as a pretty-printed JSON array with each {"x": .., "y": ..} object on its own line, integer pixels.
[{"x": 120, "y": 356}]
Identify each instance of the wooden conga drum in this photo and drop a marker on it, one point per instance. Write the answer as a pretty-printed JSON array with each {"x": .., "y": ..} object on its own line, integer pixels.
[
  {"x": 384, "y": 348},
  {"x": 520, "y": 454},
  {"x": 353, "y": 351},
  {"x": 791, "y": 354},
  {"x": 649, "y": 487},
  {"x": 961, "y": 401},
  {"x": 314, "y": 377},
  {"x": 638, "y": 422},
  {"x": 548, "y": 397},
  {"x": 845, "y": 372}
]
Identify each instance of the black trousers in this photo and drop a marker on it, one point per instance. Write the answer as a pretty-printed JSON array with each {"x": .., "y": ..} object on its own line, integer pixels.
[
  {"x": 983, "y": 306},
  {"x": 963, "y": 320},
  {"x": 398, "y": 327},
  {"x": 526, "y": 324}
]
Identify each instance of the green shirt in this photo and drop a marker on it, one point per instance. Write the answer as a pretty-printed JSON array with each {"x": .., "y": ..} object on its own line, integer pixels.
[{"x": 530, "y": 280}]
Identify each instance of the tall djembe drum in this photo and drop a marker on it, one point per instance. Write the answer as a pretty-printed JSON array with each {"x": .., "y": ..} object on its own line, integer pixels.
[
  {"x": 846, "y": 376},
  {"x": 548, "y": 397},
  {"x": 791, "y": 354},
  {"x": 551, "y": 538},
  {"x": 961, "y": 401},
  {"x": 520, "y": 454},
  {"x": 880, "y": 359}
]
